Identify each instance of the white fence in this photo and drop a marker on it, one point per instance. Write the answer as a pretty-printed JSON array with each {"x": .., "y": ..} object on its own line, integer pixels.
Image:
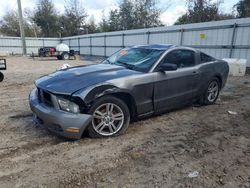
[
  {"x": 14, "y": 44},
  {"x": 221, "y": 39}
]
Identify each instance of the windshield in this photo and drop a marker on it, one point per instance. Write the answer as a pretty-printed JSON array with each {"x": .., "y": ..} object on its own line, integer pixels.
[{"x": 139, "y": 59}]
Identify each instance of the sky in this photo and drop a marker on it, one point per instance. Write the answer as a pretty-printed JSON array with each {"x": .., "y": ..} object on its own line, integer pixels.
[{"x": 172, "y": 9}]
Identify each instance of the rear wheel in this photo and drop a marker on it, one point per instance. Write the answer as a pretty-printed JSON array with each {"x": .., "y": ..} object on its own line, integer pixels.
[
  {"x": 1, "y": 76},
  {"x": 212, "y": 92},
  {"x": 110, "y": 117},
  {"x": 65, "y": 56}
]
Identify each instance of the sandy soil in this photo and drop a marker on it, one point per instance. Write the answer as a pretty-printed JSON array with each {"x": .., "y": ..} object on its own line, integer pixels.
[{"x": 156, "y": 152}]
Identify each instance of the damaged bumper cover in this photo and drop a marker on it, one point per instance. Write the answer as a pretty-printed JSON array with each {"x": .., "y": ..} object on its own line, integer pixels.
[{"x": 65, "y": 124}]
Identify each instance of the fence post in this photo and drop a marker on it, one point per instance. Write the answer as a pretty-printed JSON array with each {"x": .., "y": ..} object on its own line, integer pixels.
[
  {"x": 69, "y": 43},
  {"x": 181, "y": 37},
  {"x": 148, "y": 38},
  {"x": 79, "y": 49},
  {"x": 233, "y": 40},
  {"x": 90, "y": 44},
  {"x": 105, "y": 46},
  {"x": 43, "y": 42}
]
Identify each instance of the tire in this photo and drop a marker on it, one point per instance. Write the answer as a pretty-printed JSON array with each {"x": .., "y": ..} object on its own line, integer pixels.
[
  {"x": 212, "y": 92},
  {"x": 65, "y": 56},
  {"x": 59, "y": 57},
  {"x": 103, "y": 123},
  {"x": 1, "y": 76}
]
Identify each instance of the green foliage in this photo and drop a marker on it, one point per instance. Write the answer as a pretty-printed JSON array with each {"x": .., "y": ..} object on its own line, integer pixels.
[
  {"x": 45, "y": 21},
  {"x": 202, "y": 11},
  {"x": 127, "y": 14},
  {"x": 91, "y": 27},
  {"x": 73, "y": 21},
  {"x": 46, "y": 17},
  {"x": 243, "y": 8},
  {"x": 9, "y": 25},
  {"x": 147, "y": 14},
  {"x": 132, "y": 14},
  {"x": 114, "y": 20},
  {"x": 104, "y": 25}
]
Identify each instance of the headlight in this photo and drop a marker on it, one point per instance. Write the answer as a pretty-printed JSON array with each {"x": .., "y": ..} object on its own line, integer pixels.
[{"x": 68, "y": 106}]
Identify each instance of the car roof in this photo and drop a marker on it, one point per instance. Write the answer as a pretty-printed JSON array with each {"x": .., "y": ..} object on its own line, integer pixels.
[{"x": 156, "y": 46}]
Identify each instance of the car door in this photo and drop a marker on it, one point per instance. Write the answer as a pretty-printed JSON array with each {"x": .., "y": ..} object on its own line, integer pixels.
[{"x": 174, "y": 88}]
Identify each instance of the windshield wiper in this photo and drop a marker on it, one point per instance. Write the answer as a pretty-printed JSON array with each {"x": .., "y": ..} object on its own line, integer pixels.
[{"x": 129, "y": 66}]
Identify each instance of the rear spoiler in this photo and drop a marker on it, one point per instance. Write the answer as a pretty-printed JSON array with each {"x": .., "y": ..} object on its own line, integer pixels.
[{"x": 3, "y": 64}]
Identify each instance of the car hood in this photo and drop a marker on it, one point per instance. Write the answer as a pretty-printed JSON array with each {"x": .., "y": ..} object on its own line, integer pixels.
[{"x": 70, "y": 80}]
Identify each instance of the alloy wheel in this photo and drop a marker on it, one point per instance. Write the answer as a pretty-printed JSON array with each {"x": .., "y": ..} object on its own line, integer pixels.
[
  {"x": 213, "y": 91},
  {"x": 108, "y": 119}
]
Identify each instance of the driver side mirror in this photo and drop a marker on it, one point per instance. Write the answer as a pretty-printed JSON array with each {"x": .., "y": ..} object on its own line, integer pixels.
[{"x": 167, "y": 67}]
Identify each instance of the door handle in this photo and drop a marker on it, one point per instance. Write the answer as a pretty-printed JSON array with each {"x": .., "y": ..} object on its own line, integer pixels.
[{"x": 195, "y": 72}]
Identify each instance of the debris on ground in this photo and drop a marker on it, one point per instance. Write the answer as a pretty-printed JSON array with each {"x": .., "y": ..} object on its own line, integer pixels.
[
  {"x": 232, "y": 112},
  {"x": 65, "y": 66},
  {"x": 193, "y": 174}
]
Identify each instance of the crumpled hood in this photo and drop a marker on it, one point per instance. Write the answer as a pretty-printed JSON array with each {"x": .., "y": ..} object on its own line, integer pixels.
[{"x": 70, "y": 80}]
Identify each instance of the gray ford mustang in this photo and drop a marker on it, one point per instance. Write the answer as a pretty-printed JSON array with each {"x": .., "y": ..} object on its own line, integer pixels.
[{"x": 131, "y": 84}]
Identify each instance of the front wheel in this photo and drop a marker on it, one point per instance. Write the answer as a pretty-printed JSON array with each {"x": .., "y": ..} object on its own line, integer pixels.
[
  {"x": 212, "y": 92},
  {"x": 110, "y": 117},
  {"x": 59, "y": 57}
]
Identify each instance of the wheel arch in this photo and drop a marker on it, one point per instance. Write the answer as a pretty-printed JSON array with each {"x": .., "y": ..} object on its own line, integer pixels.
[
  {"x": 128, "y": 100},
  {"x": 103, "y": 90},
  {"x": 219, "y": 77}
]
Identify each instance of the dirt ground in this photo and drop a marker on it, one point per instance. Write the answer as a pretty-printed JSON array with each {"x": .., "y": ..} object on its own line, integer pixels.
[{"x": 156, "y": 152}]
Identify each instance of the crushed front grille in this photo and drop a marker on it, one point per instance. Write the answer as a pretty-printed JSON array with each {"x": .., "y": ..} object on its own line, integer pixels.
[{"x": 45, "y": 97}]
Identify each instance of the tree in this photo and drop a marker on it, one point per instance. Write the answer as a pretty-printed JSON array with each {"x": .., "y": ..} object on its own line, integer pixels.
[
  {"x": 46, "y": 17},
  {"x": 133, "y": 14},
  {"x": 127, "y": 15},
  {"x": 202, "y": 11},
  {"x": 243, "y": 8},
  {"x": 91, "y": 27},
  {"x": 114, "y": 20},
  {"x": 104, "y": 25},
  {"x": 184, "y": 19},
  {"x": 73, "y": 22},
  {"x": 34, "y": 30},
  {"x": 9, "y": 25},
  {"x": 147, "y": 14}
]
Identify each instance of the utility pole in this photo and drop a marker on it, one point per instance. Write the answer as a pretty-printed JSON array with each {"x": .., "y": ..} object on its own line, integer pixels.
[
  {"x": 21, "y": 26},
  {"x": 76, "y": 10}
]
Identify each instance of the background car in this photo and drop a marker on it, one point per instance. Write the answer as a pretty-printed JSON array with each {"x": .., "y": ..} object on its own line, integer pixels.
[{"x": 133, "y": 83}]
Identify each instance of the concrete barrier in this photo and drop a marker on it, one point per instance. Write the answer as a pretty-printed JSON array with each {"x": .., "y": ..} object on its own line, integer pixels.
[{"x": 237, "y": 67}]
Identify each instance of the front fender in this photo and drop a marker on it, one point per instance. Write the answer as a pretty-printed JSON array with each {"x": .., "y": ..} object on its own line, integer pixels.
[{"x": 88, "y": 95}]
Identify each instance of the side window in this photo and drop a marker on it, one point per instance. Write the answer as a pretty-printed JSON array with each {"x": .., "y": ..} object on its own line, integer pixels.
[
  {"x": 206, "y": 58},
  {"x": 182, "y": 58}
]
